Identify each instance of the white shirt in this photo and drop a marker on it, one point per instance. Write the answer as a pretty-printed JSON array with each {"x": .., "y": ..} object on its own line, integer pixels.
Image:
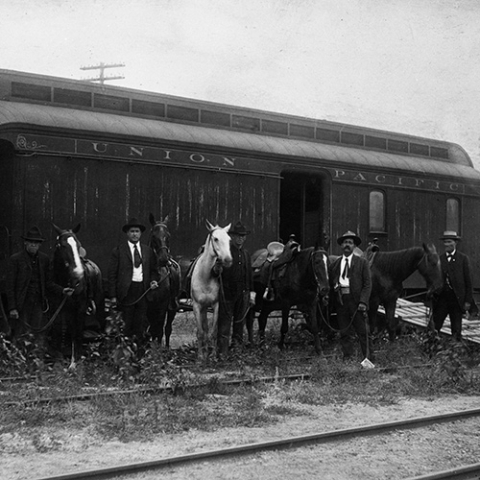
[
  {"x": 137, "y": 272},
  {"x": 450, "y": 255},
  {"x": 345, "y": 282}
]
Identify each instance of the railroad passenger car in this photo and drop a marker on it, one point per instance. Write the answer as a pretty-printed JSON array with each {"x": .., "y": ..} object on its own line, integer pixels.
[{"x": 75, "y": 152}]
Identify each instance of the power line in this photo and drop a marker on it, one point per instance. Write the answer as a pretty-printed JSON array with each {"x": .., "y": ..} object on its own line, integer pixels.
[{"x": 102, "y": 78}]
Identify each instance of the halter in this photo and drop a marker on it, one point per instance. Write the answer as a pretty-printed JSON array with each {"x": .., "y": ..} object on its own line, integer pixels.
[
  {"x": 312, "y": 257},
  {"x": 160, "y": 224}
]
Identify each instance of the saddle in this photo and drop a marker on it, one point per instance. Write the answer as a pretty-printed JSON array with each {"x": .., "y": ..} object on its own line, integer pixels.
[{"x": 271, "y": 264}]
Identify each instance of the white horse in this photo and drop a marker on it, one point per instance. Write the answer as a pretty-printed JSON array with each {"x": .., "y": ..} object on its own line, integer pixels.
[{"x": 205, "y": 287}]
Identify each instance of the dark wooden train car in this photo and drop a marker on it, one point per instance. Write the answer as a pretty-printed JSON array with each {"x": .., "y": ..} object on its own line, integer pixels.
[{"x": 74, "y": 152}]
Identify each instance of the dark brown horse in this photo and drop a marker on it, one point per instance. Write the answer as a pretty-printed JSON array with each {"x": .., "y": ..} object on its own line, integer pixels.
[
  {"x": 163, "y": 304},
  {"x": 303, "y": 282},
  {"x": 389, "y": 270},
  {"x": 85, "y": 307}
]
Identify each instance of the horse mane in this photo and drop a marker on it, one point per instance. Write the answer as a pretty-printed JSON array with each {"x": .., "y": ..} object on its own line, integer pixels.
[{"x": 402, "y": 262}]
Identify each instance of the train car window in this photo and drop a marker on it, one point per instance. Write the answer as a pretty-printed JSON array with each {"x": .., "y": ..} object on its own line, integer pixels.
[
  {"x": 438, "y": 152},
  {"x": 329, "y": 135},
  {"x": 248, "y": 123},
  {"x": 419, "y": 149},
  {"x": 397, "y": 146},
  {"x": 32, "y": 92},
  {"x": 269, "y": 126},
  {"x": 377, "y": 211},
  {"x": 375, "y": 142},
  {"x": 351, "y": 138},
  {"x": 215, "y": 118},
  {"x": 177, "y": 112},
  {"x": 143, "y": 107},
  {"x": 111, "y": 102},
  {"x": 302, "y": 131},
  {"x": 72, "y": 97},
  {"x": 453, "y": 215}
]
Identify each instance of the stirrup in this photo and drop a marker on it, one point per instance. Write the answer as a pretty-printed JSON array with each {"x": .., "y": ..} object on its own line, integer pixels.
[{"x": 269, "y": 295}]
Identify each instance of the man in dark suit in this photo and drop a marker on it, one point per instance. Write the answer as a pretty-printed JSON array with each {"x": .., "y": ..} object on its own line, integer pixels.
[
  {"x": 351, "y": 282},
  {"x": 28, "y": 281},
  {"x": 456, "y": 297},
  {"x": 237, "y": 283},
  {"x": 131, "y": 273}
]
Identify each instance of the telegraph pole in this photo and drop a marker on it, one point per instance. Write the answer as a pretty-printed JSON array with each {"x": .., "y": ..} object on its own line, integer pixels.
[{"x": 102, "y": 78}]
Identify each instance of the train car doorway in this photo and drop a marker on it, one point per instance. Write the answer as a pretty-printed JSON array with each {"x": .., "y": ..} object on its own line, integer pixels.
[{"x": 304, "y": 208}]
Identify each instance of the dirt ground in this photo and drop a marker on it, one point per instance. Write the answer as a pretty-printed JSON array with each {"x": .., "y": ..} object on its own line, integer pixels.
[{"x": 402, "y": 454}]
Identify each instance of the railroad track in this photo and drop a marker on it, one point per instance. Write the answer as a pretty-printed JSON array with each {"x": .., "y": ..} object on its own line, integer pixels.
[
  {"x": 466, "y": 472},
  {"x": 169, "y": 389}
]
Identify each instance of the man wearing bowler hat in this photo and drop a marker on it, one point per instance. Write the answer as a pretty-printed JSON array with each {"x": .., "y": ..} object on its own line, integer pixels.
[
  {"x": 456, "y": 297},
  {"x": 132, "y": 272},
  {"x": 237, "y": 283},
  {"x": 28, "y": 281},
  {"x": 351, "y": 281}
]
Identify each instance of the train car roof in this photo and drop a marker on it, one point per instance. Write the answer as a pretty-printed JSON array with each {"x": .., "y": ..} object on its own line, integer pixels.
[
  {"x": 20, "y": 117},
  {"x": 81, "y": 95}
]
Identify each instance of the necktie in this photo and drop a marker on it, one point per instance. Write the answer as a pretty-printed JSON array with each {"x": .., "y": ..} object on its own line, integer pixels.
[
  {"x": 345, "y": 270},
  {"x": 136, "y": 256}
]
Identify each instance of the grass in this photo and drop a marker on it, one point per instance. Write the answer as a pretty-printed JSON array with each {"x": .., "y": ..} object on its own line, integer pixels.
[{"x": 210, "y": 405}]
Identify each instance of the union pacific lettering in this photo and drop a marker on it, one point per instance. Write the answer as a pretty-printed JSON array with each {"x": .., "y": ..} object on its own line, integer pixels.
[{"x": 367, "y": 178}]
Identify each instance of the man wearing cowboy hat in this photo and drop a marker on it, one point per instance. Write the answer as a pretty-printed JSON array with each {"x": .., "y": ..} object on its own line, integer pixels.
[
  {"x": 456, "y": 297},
  {"x": 237, "y": 283},
  {"x": 351, "y": 281},
  {"x": 132, "y": 273},
  {"x": 28, "y": 281}
]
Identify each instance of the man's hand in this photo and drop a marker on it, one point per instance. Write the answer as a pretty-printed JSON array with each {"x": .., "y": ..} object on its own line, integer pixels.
[
  {"x": 113, "y": 303},
  {"x": 68, "y": 291},
  {"x": 153, "y": 284},
  {"x": 14, "y": 314},
  {"x": 253, "y": 295},
  {"x": 466, "y": 307}
]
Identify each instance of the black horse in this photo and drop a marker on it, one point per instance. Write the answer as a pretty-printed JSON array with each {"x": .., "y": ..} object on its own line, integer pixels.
[
  {"x": 389, "y": 270},
  {"x": 86, "y": 305},
  {"x": 302, "y": 281},
  {"x": 163, "y": 304}
]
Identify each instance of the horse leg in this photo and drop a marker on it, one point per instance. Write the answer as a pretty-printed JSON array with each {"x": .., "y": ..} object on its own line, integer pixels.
[
  {"x": 314, "y": 327},
  {"x": 202, "y": 330},
  {"x": 250, "y": 319},
  {"x": 168, "y": 326},
  {"x": 376, "y": 329},
  {"x": 156, "y": 314},
  {"x": 284, "y": 328},
  {"x": 262, "y": 324},
  {"x": 392, "y": 322}
]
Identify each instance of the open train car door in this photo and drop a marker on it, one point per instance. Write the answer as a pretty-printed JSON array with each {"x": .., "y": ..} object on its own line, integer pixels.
[{"x": 305, "y": 207}]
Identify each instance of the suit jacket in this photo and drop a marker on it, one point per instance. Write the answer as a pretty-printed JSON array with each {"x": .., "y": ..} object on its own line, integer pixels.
[
  {"x": 458, "y": 273},
  {"x": 20, "y": 274},
  {"x": 120, "y": 269},
  {"x": 359, "y": 276},
  {"x": 239, "y": 277}
]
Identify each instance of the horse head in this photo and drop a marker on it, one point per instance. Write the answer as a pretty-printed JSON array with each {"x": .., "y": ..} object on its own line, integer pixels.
[
  {"x": 160, "y": 239},
  {"x": 429, "y": 268},
  {"x": 320, "y": 270},
  {"x": 68, "y": 257},
  {"x": 218, "y": 243}
]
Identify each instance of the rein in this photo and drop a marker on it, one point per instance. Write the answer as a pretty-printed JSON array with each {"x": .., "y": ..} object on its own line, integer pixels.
[
  {"x": 145, "y": 293},
  {"x": 52, "y": 319}
]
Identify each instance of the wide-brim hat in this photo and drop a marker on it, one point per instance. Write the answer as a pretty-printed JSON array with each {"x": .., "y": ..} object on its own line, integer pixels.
[
  {"x": 133, "y": 222},
  {"x": 450, "y": 235},
  {"x": 34, "y": 235},
  {"x": 349, "y": 234},
  {"x": 239, "y": 229}
]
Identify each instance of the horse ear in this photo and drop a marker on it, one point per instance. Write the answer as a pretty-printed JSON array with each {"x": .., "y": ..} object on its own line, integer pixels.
[
  {"x": 152, "y": 219},
  {"x": 227, "y": 228},
  {"x": 209, "y": 226},
  {"x": 77, "y": 228},
  {"x": 430, "y": 248},
  {"x": 58, "y": 229},
  {"x": 165, "y": 220}
]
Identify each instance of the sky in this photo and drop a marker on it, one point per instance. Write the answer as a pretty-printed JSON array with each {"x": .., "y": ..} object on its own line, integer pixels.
[{"x": 408, "y": 66}]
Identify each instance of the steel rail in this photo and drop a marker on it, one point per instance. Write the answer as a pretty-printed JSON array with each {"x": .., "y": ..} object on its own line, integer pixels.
[
  {"x": 467, "y": 472},
  {"x": 286, "y": 443},
  {"x": 167, "y": 388}
]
